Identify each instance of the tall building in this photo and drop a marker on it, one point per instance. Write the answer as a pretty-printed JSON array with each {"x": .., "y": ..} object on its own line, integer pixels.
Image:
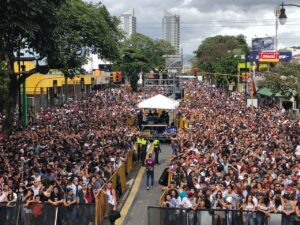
[
  {"x": 128, "y": 23},
  {"x": 171, "y": 30}
]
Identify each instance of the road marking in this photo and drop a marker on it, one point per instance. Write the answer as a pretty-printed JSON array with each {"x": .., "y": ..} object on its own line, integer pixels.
[
  {"x": 131, "y": 196},
  {"x": 133, "y": 191}
]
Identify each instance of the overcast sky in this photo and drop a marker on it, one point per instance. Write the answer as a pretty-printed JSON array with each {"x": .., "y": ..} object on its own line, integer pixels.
[{"x": 204, "y": 18}]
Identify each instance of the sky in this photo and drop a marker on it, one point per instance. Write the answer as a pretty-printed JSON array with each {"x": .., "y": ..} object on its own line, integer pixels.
[{"x": 204, "y": 18}]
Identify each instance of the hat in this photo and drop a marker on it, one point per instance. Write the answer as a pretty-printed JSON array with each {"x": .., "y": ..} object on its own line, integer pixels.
[
  {"x": 192, "y": 164},
  {"x": 229, "y": 199}
]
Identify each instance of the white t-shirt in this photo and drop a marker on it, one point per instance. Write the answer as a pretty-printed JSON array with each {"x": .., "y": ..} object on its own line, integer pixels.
[
  {"x": 2, "y": 197},
  {"x": 186, "y": 203},
  {"x": 297, "y": 151}
]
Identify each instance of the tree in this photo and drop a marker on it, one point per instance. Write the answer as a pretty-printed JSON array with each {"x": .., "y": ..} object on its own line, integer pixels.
[
  {"x": 3, "y": 87},
  {"x": 63, "y": 31},
  {"x": 141, "y": 54},
  {"x": 283, "y": 79},
  {"x": 24, "y": 24},
  {"x": 220, "y": 54},
  {"x": 134, "y": 63}
]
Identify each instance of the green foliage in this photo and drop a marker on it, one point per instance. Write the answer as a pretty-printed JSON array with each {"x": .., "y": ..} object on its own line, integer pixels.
[
  {"x": 27, "y": 23},
  {"x": 284, "y": 78},
  {"x": 141, "y": 54},
  {"x": 83, "y": 28},
  {"x": 63, "y": 31},
  {"x": 220, "y": 54}
]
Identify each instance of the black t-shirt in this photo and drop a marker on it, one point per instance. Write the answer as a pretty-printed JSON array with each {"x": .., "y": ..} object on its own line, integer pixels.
[
  {"x": 56, "y": 197},
  {"x": 44, "y": 198}
]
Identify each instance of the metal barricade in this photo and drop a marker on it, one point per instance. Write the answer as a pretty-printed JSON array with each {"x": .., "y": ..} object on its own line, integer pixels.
[
  {"x": 36, "y": 213},
  {"x": 9, "y": 214},
  {"x": 78, "y": 214},
  {"x": 179, "y": 216}
]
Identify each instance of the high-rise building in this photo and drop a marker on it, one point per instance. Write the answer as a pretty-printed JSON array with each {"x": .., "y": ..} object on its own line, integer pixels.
[
  {"x": 128, "y": 23},
  {"x": 171, "y": 30}
]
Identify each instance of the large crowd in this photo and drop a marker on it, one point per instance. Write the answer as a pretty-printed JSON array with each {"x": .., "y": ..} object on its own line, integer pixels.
[
  {"x": 67, "y": 153},
  {"x": 229, "y": 158},
  {"x": 235, "y": 158}
]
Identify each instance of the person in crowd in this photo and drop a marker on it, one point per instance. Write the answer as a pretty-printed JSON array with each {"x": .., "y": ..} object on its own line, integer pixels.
[
  {"x": 89, "y": 194},
  {"x": 288, "y": 210},
  {"x": 11, "y": 206},
  {"x": 149, "y": 162},
  {"x": 144, "y": 151},
  {"x": 156, "y": 150},
  {"x": 249, "y": 208},
  {"x": 56, "y": 197}
]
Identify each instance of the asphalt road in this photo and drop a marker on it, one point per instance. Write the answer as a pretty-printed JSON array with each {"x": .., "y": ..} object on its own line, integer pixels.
[{"x": 137, "y": 214}]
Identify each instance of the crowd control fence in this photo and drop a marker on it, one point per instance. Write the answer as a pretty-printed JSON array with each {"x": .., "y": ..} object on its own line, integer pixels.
[
  {"x": 46, "y": 214},
  {"x": 78, "y": 214},
  {"x": 179, "y": 216},
  {"x": 119, "y": 180}
]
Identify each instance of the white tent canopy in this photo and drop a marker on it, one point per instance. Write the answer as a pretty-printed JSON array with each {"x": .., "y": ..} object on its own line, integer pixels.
[{"x": 158, "y": 102}]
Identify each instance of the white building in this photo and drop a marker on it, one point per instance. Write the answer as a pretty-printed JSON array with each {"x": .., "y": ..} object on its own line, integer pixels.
[
  {"x": 128, "y": 22},
  {"x": 171, "y": 30}
]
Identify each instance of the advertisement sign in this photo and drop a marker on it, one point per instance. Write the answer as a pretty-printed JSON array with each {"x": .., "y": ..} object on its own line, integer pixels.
[
  {"x": 263, "y": 44},
  {"x": 269, "y": 57},
  {"x": 285, "y": 56},
  {"x": 253, "y": 56}
]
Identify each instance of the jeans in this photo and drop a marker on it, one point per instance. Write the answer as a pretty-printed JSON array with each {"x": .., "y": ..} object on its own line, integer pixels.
[
  {"x": 261, "y": 219},
  {"x": 249, "y": 219},
  {"x": 150, "y": 175},
  {"x": 287, "y": 220}
]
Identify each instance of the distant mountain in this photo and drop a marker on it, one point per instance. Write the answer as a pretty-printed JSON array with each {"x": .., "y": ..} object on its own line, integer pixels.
[{"x": 186, "y": 59}]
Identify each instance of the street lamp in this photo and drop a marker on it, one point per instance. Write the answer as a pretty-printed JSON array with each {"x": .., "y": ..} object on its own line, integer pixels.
[{"x": 281, "y": 16}]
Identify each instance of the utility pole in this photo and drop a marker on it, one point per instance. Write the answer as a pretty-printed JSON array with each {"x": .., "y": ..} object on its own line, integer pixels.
[
  {"x": 246, "y": 78},
  {"x": 25, "y": 104}
]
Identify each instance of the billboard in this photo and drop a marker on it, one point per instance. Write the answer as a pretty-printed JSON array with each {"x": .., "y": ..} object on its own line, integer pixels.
[
  {"x": 263, "y": 44},
  {"x": 173, "y": 62},
  {"x": 253, "y": 56},
  {"x": 269, "y": 57}
]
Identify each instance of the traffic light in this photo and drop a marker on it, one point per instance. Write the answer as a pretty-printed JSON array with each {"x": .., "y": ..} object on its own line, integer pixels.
[
  {"x": 245, "y": 76},
  {"x": 114, "y": 77},
  {"x": 118, "y": 77},
  {"x": 195, "y": 71}
]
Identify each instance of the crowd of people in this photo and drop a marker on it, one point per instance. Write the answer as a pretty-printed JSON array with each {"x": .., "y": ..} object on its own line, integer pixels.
[
  {"x": 235, "y": 158},
  {"x": 67, "y": 153}
]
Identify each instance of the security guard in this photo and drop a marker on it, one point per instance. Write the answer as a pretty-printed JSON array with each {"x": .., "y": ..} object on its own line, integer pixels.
[
  {"x": 157, "y": 150},
  {"x": 144, "y": 150},
  {"x": 139, "y": 148}
]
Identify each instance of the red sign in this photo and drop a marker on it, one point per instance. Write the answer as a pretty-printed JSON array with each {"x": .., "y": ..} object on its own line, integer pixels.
[
  {"x": 195, "y": 70},
  {"x": 269, "y": 57}
]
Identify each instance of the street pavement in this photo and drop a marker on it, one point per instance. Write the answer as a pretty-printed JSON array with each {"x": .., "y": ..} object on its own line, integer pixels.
[{"x": 137, "y": 214}]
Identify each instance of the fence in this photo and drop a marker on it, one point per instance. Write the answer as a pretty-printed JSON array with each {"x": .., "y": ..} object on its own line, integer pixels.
[
  {"x": 118, "y": 180},
  {"x": 178, "y": 216},
  {"x": 46, "y": 214},
  {"x": 83, "y": 214}
]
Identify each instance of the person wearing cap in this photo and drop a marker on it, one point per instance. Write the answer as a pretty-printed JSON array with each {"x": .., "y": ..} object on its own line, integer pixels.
[
  {"x": 149, "y": 162},
  {"x": 156, "y": 150}
]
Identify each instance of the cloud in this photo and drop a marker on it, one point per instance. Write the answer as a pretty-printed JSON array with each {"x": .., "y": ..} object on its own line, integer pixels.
[{"x": 204, "y": 18}]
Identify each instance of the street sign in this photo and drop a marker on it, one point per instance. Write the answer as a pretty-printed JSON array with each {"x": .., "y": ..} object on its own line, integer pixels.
[
  {"x": 253, "y": 56},
  {"x": 285, "y": 56},
  {"x": 269, "y": 57}
]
